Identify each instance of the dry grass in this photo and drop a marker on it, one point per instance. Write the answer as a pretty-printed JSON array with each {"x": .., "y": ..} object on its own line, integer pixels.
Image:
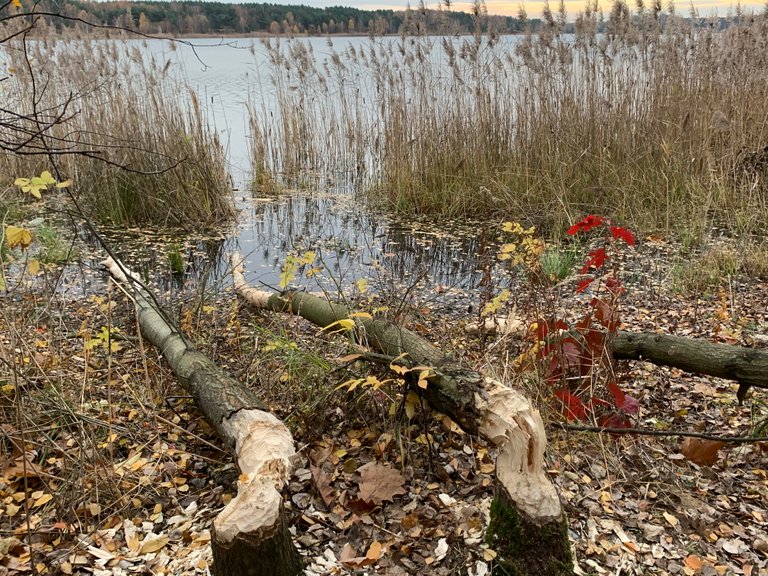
[
  {"x": 653, "y": 121},
  {"x": 151, "y": 156}
]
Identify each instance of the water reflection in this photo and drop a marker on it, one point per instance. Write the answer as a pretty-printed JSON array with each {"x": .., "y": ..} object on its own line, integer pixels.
[{"x": 352, "y": 242}]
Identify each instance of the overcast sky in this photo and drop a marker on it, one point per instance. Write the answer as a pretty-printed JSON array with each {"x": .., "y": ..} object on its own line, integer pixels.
[{"x": 704, "y": 7}]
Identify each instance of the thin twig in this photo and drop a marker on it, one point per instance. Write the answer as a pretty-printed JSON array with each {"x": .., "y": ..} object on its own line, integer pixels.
[{"x": 648, "y": 432}]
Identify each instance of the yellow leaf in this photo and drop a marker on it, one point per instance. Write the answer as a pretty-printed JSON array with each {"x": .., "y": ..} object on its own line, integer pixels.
[
  {"x": 46, "y": 178},
  {"x": 350, "y": 384},
  {"x": 308, "y": 257},
  {"x": 33, "y": 267},
  {"x": 361, "y": 315},
  {"x": 15, "y": 236},
  {"x": 340, "y": 325},
  {"x": 349, "y": 358},
  {"x": 397, "y": 369},
  {"x": 374, "y": 552},
  {"x": 362, "y": 285},
  {"x": 411, "y": 402},
  {"x": 153, "y": 545},
  {"x": 66, "y": 184},
  {"x": 42, "y": 500},
  {"x": 16, "y": 3}
]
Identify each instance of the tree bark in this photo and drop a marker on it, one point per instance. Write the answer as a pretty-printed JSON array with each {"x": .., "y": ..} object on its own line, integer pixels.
[
  {"x": 747, "y": 366},
  {"x": 527, "y": 503},
  {"x": 251, "y": 534}
]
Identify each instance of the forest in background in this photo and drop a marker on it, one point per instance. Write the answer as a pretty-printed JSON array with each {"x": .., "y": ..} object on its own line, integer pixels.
[{"x": 220, "y": 18}]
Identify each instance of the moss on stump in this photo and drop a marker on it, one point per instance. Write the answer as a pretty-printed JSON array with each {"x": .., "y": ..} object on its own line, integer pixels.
[{"x": 524, "y": 548}]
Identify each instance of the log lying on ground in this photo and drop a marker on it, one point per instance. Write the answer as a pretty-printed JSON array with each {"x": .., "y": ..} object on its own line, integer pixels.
[
  {"x": 251, "y": 533},
  {"x": 527, "y": 528},
  {"x": 747, "y": 366}
]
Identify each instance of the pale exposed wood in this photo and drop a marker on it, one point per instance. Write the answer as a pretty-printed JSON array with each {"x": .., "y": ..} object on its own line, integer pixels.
[
  {"x": 264, "y": 448},
  {"x": 502, "y": 325},
  {"x": 251, "y": 534},
  {"x": 509, "y": 420},
  {"x": 476, "y": 403}
]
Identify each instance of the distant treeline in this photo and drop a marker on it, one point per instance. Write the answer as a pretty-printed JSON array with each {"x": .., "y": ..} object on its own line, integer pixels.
[{"x": 190, "y": 17}]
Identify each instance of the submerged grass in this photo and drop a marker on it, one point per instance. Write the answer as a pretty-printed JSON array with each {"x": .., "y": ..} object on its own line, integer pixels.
[
  {"x": 150, "y": 156},
  {"x": 644, "y": 116}
]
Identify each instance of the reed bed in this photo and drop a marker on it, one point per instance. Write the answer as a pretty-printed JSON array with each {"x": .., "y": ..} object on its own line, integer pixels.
[
  {"x": 151, "y": 157},
  {"x": 640, "y": 115}
]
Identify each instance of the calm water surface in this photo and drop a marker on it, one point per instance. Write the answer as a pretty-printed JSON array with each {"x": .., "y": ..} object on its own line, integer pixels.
[{"x": 351, "y": 241}]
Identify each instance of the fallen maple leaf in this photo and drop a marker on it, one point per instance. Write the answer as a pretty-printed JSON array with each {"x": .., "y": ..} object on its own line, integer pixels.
[
  {"x": 701, "y": 452},
  {"x": 379, "y": 483},
  {"x": 323, "y": 483}
]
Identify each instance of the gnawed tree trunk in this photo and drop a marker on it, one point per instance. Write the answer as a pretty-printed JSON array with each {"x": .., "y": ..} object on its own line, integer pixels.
[
  {"x": 747, "y": 366},
  {"x": 527, "y": 528},
  {"x": 251, "y": 534}
]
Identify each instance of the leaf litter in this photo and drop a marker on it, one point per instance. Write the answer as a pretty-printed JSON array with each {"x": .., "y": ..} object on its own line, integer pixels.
[{"x": 113, "y": 471}]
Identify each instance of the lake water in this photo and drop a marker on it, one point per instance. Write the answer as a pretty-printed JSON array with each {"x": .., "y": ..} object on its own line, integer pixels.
[{"x": 351, "y": 241}]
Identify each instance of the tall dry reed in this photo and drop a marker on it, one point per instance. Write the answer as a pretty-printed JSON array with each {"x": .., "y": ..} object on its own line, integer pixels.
[
  {"x": 151, "y": 157},
  {"x": 640, "y": 115}
]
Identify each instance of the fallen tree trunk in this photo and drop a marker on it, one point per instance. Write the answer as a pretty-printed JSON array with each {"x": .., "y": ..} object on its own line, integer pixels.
[
  {"x": 747, "y": 366},
  {"x": 527, "y": 527},
  {"x": 251, "y": 533}
]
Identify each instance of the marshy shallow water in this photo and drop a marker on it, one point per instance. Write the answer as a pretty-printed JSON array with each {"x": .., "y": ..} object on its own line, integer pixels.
[{"x": 351, "y": 239}]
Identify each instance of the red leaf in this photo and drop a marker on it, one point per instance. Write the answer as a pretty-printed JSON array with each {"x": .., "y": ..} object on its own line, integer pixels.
[
  {"x": 573, "y": 408},
  {"x": 623, "y": 401},
  {"x": 631, "y": 404},
  {"x": 614, "y": 420},
  {"x": 614, "y": 286},
  {"x": 600, "y": 402},
  {"x": 620, "y": 233},
  {"x": 584, "y": 284},
  {"x": 595, "y": 339},
  {"x": 596, "y": 259},
  {"x": 554, "y": 369},
  {"x": 571, "y": 351},
  {"x": 606, "y": 315},
  {"x": 617, "y": 393},
  {"x": 544, "y": 327},
  {"x": 585, "y": 225}
]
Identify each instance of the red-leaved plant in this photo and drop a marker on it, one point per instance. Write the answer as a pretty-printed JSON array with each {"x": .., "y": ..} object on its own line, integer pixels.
[{"x": 576, "y": 357}]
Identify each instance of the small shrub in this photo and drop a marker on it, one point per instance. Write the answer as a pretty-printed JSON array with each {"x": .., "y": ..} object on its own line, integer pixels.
[
  {"x": 53, "y": 247},
  {"x": 558, "y": 263}
]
